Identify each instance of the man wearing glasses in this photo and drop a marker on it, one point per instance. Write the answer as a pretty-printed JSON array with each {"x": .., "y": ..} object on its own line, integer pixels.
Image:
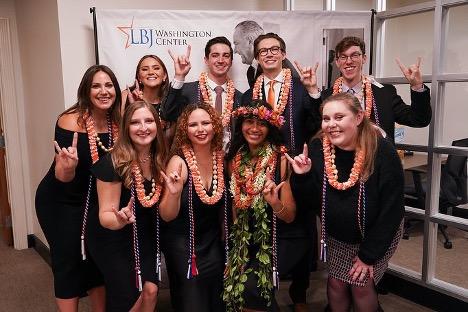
[
  {"x": 387, "y": 106},
  {"x": 291, "y": 97}
]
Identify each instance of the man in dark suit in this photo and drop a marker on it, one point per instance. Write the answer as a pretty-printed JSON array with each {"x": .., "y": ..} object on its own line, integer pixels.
[
  {"x": 244, "y": 36},
  {"x": 389, "y": 106},
  {"x": 213, "y": 87},
  {"x": 296, "y": 239}
]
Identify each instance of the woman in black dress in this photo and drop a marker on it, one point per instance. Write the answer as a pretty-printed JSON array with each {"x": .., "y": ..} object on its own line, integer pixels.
[
  {"x": 129, "y": 187},
  {"x": 193, "y": 205},
  {"x": 361, "y": 217},
  {"x": 83, "y": 133},
  {"x": 262, "y": 194}
]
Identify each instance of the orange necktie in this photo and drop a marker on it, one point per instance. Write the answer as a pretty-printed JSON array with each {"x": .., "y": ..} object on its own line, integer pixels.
[{"x": 271, "y": 94}]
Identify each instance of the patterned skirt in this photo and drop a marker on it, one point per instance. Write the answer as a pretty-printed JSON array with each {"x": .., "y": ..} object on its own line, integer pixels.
[{"x": 340, "y": 257}]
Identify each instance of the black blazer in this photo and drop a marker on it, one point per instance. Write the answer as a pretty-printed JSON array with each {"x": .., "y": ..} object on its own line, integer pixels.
[{"x": 391, "y": 108}]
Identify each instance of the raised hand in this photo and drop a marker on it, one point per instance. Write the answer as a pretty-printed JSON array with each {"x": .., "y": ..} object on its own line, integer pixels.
[
  {"x": 136, "y": 94},
  {"x": 125, "y": 215},
  {"x": 181, "y": 63},
  {"x": 301, "y": 163},
  {"x": 359, "y": 270},
  {"x": 173, "y": 181},
  {"x": 308, "y": 77},
  {"x": 67, "y": 158},
  {"x": 271, "y": 191},
  {"x": 412, "y": 73}
]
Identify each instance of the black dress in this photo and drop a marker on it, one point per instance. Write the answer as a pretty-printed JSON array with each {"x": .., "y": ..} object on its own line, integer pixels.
[
  {"x": 200, "y": 293},
  {"x": 113, "y": 250},
  {"x": 60, "y": 209}
]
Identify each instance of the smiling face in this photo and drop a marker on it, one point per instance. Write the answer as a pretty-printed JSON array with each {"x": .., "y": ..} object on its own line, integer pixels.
[
  {"x": 142, "y": 129},
  {"x": 151, "y": 73},
  {"x": 271, "y": 63},
  {"x": 255, "y": 132},
  {"x": 102, "y": 92},
  {"x": 340, "y": 124},
  {"x": 200, "y": 127},
  {"x": 219, "y": 61},
  {"x": 350, "y": 63}
]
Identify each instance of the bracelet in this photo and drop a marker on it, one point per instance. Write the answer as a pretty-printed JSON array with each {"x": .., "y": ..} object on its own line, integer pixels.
[{"x": 279, "y": 211}]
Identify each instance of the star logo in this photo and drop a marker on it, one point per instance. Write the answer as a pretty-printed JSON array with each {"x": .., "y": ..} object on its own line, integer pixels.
[{"x": 125, "y": 30}]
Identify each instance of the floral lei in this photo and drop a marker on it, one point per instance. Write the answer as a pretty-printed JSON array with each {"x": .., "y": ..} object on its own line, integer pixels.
[
  {"x": 246, "y": 186},
  {"x": 284, "y": 92},
  {"x": 218, "y": 175},
  {"x": 206, "y": 95},
  {"x": 369, "y": 97},
  {"x": 332, "y": 171},
  {"x": 145, "y": 200},
  {"x": 93, "y": 136}
]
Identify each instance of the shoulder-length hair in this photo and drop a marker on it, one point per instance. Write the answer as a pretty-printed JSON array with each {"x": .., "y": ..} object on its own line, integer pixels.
[
  {"x": 124, "y": 154},
  {"x": 84, "y": 104},
  {"x": 164, "y": 89},
  {"x": 181, "y": 137},
  {"x": 368, "y": 132},
  {"x": 238, "y": 141}
]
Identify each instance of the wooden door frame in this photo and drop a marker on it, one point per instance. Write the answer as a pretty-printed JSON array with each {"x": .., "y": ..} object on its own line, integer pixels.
[{"x": 17, "y": 165}]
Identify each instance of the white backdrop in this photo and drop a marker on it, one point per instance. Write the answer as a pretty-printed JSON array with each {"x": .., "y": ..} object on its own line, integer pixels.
[{"x": 124, "y": 36}]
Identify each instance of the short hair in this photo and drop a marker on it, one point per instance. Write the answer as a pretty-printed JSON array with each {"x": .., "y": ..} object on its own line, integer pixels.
[
  {"x": 348, "y": 42},
  {"x": 250, "y": 29},
  {"x": 267, "y": 36},
  {"x": 215, "y": 40}
]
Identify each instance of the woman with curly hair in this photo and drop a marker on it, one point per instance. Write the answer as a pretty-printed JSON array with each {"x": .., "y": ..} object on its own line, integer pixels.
[
  {"x": 129, "y": 185},
  {"x": 83, "y": 133},
  {"x": 262, "y": 194},
  {"x": 192, "y": 206}
]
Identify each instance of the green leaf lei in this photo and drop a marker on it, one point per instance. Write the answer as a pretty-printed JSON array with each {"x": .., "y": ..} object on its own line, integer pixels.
[{"x": 241, "y": 237}]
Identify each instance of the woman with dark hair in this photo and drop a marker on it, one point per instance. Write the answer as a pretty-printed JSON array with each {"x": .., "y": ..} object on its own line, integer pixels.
[
  {"x": 152, "y": 85},
  {"x": 260, "y": 187},
  {"x": 129, "y": 185},
  {"x": 192, "y": 207},
  {"x": 83, "y": 133},
  {"x": 356, "y": 178}
]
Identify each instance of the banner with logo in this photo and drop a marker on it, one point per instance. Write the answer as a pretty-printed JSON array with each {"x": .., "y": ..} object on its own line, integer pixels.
[{"x": 124, "y": 36}]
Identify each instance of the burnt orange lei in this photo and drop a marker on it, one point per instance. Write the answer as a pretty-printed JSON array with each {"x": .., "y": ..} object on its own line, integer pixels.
[
  {"x": 218, "y": 175},
  {"x": 145, "y": 200},
  {"x": 206, "y": 95},
  {"x": 367, "y": 88},
  {"x": 284, "y": 92},
  {"x": 93, "y": 138}
]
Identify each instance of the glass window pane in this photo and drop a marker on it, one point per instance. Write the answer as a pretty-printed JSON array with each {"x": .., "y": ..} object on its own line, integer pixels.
[
  {"x": 356, "y": 5},
  {"x": 455, "y": 107},
  {"x": 408, "y": 37},
  {"x": 308, "y": 5},
  {"x": 406, "y": 134},
  {"x": 455, "y": 48},
  {"x": 448, "y": 259},
  {"x": 409, "y": 253},
  {"x": 415, "y": 167},
  {"x": 393, "y": 4}
]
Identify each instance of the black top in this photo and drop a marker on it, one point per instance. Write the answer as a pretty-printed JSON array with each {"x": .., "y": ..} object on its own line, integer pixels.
[{"x": 384, "y": 206}]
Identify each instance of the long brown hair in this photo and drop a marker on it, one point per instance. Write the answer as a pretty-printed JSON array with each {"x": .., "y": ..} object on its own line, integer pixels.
[
  {"x": 124, "y": 153},
  {"x": 181, "y": 137},
  {"x": 84, "y": 104},
  {"x": 367, "y": 134}
]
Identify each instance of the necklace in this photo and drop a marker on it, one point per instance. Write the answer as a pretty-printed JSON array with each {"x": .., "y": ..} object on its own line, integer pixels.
[
  {"x": 332, "y": 171},
  {"x": 367, "y": 93},
  {"x": 206, "y": 95},
  {"x": 145, "y": 200},
  {"x": 218, "y": 176},
  {"x": 145, "y": 159},
  {"x": 257, "y": 93},
  {"x": 93, "y": 138}
]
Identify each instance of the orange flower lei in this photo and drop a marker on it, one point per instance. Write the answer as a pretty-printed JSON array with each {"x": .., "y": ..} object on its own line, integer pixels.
[
  {"x": 206, "y": 95},
  {"x": 218, "y": 175},
  {"x": 145, "y": 200},
  {"x": 284, "y": 92},
  {"x": 246, "y": 183},
  {"x": 366, "y": 83},
  {"x": 332, "y": 171},
  {"x": 93, "y": 138}
]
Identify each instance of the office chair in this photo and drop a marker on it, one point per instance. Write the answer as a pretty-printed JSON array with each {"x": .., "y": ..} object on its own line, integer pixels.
[{"x": 453, "y": 190}]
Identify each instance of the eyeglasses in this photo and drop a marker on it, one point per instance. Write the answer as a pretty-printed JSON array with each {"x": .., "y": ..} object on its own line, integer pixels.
[
  {"x": 274, "y": 50},
  {"x": 354, "y": 57}
]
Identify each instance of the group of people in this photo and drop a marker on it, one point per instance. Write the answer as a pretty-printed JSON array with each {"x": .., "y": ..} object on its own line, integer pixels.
[{"x": 225, "y": 185}]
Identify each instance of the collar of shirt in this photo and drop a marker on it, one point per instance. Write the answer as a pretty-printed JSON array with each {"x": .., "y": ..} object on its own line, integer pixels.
[
  {"x": 357, "y": 88},
  {"x": 212, "y": 85},
  {"x": 279, "y": 78}
]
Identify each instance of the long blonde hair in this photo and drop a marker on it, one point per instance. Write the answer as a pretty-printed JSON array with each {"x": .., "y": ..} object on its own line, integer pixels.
[
  {"x": 124, "y": 154},
  {"x": 367, "y": 134}
]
